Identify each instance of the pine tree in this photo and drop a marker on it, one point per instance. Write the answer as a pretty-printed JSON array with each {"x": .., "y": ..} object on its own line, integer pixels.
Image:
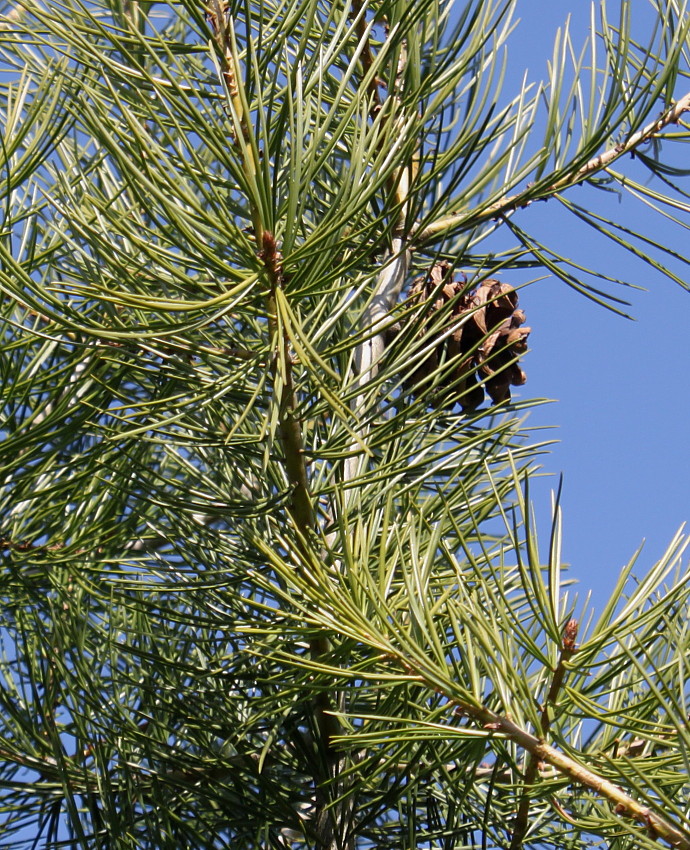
[{"x": 270, "y": 576}]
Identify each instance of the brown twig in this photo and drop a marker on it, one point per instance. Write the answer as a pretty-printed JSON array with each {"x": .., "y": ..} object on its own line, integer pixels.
[
  {"x": 492, "y": 723},
  {"x": 624, "y": 804},
  {"x": 532, "y": 770},
  {"x": 509, "y": 203}
]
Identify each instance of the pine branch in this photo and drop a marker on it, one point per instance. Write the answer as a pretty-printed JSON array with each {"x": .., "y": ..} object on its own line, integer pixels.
[
  {"x": 657, "y": 826},
  {"x": 532, "y": 771},
  {"x": 329, "y": 821},
  {"x": 509, "y": 203}
]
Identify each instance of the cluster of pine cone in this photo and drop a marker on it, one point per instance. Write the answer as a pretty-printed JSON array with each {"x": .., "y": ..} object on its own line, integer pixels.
[{"x": 482, "y": 349}]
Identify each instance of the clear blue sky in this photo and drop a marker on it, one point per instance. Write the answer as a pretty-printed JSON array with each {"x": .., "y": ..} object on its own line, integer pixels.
[{"x": 621, "y": 386}]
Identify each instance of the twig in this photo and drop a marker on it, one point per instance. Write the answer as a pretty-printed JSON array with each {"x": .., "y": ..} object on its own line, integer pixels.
[
  {"x": 510, "y": 203},
  {"x": 300, "y": 505},
  {"x": 624, "y": 804},
  {"x": 532, "y": 771}
]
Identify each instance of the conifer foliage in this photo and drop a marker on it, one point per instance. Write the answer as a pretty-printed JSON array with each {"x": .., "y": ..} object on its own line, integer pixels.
[{"x": 270, "y": 575}]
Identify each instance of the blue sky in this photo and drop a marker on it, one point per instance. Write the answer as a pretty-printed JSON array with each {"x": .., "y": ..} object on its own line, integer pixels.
[{"x": 621, "y": 386}]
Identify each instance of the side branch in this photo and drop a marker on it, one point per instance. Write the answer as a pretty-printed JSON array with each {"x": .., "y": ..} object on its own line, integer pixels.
[
  {"x": 532, "y": 771},
  {"x": 301, "y": 508},
  {"x": 509, "y": 203},
  {"x": 624, "y": 805}
]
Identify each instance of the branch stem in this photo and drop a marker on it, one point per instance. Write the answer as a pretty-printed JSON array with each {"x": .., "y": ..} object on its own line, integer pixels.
[
  {"x": 624, "y": 804},
  {"x": 466, "y": 219},
  {"x": 532, "y": 770}
]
